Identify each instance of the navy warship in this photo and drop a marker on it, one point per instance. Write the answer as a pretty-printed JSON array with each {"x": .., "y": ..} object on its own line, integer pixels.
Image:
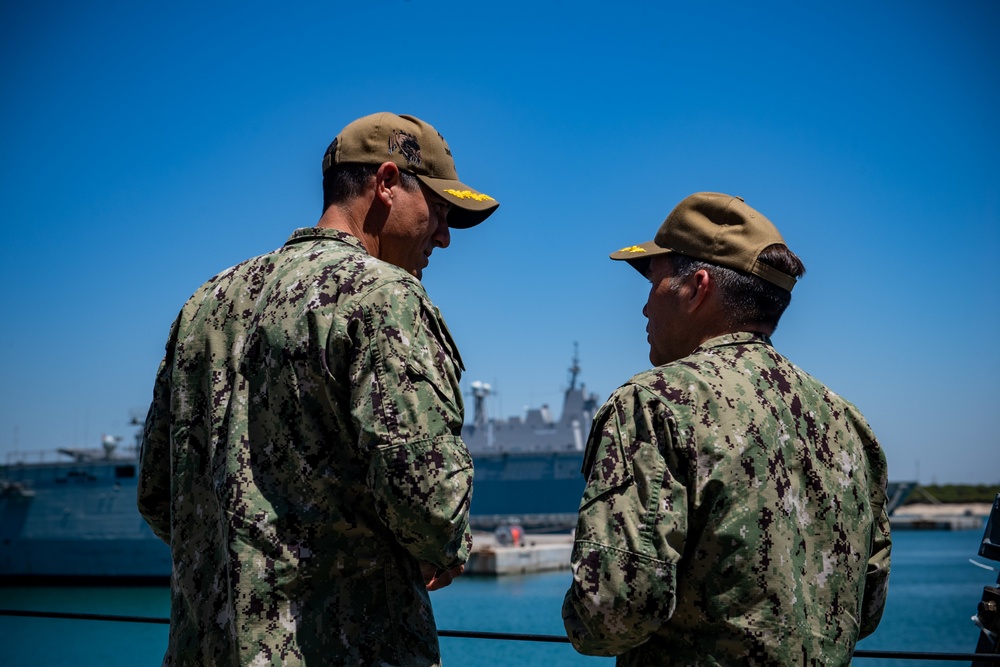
[
  {"x": 528, "y": 469},
  {"x": 72, "y": 514}
]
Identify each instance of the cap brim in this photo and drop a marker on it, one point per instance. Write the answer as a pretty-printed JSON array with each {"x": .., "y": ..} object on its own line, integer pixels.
[
  {"x": 638, "y": 256},
  {"x": 468, "y": 207}
]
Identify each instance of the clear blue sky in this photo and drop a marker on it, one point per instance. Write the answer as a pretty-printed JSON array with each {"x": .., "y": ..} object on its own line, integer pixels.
[{"x": 146, "y": 146}]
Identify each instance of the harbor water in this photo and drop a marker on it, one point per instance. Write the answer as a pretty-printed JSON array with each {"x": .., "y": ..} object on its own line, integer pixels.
[{"x": 933, "y": 592}]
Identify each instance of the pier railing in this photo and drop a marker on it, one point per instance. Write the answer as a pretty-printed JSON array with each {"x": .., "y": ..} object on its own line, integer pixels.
[{"x": 978, "y": 658}]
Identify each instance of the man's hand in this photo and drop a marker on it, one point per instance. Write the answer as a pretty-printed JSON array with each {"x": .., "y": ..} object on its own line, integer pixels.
[{"x": 435, "y": 578}]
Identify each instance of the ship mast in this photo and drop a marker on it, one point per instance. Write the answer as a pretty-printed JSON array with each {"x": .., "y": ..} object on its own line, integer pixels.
[
  {"x": 480, "y": 390},
  {"x": 574, "y": 370}
]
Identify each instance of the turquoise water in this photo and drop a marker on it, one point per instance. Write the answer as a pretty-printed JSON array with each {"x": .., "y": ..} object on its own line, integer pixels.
[{"x": 933, "y": 592}]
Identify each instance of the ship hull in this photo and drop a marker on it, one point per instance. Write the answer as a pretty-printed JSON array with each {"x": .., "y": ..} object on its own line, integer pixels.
[
  {"x": 538, "y": 490},
  {"x": 76, "y": 521}
]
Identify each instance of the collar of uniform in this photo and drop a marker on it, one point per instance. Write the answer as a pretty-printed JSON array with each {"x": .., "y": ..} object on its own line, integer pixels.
[
  {"x": 736, "y": 338},
  {"x": 315, "y": 233}
]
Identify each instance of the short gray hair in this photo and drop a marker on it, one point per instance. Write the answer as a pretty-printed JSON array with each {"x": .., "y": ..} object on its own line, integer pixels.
[{"x": 746, "y": 298}]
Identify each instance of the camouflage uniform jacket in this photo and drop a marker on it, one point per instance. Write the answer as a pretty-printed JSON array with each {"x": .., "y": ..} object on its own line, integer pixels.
[
  {"x": 733, "y": 515},
  {"x": 302, "y": 455}
]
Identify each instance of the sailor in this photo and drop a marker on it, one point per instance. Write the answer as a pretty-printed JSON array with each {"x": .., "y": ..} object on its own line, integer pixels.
[
  {"x": 302, "y": 455},
  {"x": 734, "y": 510}
]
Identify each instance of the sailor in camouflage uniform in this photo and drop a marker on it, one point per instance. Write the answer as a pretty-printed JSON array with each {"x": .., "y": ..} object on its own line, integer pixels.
[
  {"x": 734, "y": 512},
  {"x": 302, "y": 454}
]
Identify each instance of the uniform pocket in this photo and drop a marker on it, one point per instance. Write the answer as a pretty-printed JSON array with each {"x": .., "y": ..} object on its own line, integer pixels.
[{"x": 607, "y": 466}]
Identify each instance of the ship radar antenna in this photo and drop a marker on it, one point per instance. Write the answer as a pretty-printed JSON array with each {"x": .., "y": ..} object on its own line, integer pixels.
[
  {"x": 480, "y": 390},
  {"x": 108, "y": 443},
  {"x": 574, "y": 370}
]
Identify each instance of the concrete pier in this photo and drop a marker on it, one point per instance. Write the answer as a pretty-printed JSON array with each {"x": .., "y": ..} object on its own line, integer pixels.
[
  {"x": 544, "y": 552},
  {"x": 533, "y": 553}
]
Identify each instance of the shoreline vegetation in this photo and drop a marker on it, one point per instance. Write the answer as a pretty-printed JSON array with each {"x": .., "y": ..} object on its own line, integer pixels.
[{"x": 950, "y": 494}]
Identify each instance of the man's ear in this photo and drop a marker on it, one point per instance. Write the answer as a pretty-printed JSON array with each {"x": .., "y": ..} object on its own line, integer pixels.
[
  {"x": 702, "y": 287},
  {"x": 386, "y": 178}
]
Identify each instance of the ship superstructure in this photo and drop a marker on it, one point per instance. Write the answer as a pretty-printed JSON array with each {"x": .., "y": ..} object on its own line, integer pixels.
[{"x": 528, "y": 469}]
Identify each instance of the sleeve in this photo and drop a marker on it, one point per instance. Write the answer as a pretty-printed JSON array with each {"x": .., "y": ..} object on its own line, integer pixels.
[
  {"x": 408, "y": 407},
  {"x": 877, "y": 576},
  {"x": 630, "y": 532},
  {"x": 877, "y": 572},
  {"x": 153, "y": 493}
]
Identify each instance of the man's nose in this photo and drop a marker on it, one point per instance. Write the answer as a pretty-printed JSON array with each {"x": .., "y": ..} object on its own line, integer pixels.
[{"x": 443, "y": 233}]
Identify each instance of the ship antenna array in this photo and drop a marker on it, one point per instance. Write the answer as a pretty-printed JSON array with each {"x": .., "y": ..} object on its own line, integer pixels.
[{"x": 574, "y": 370}]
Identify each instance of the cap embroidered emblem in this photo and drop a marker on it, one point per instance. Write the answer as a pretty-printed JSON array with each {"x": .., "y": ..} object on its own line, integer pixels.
[
  {"x": 633, "y": 248},
  {"x": 469, "y": 194},
  {"x": 407, "y": 146}
]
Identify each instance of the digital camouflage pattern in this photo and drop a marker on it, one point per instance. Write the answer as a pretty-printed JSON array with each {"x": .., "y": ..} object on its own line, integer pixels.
[
  {"x": 302, "y": 455},
  {"x": 734, "y": 514}
]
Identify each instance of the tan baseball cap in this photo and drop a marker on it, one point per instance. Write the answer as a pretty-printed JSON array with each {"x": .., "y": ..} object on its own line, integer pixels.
[
  {"x": 416, "y": 148},
  {"x": 716, "y": 228}
]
